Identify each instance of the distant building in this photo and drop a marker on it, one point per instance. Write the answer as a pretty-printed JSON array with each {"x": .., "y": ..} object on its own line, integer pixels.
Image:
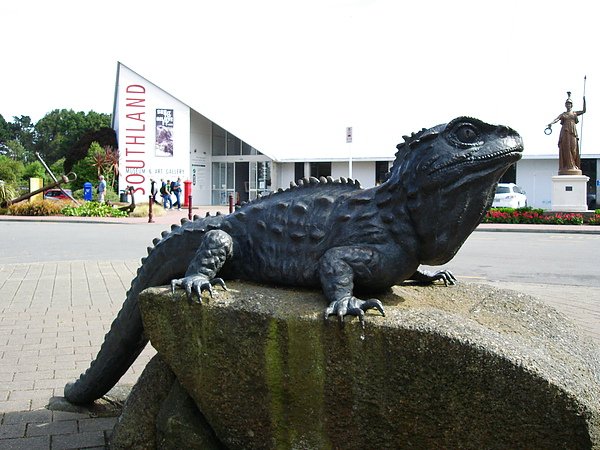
[{"x": 160, "y": 137}]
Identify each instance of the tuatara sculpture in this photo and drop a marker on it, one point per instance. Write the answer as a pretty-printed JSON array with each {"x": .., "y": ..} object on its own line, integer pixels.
[{"x": 328, "y": 233}]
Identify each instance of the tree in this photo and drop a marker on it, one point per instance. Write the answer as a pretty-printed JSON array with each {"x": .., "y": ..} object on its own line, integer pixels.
[
  {"x": 5, "y": 131},
  {"x": 35, "y": 169},
  {"x": 59, "y": 130},
  {"x": 105, "y": 137},
  {"x": 11, "y": 170},
  {"x": 99, "y": 161},
  {"x": 22, "y": 131},
  {"x": 15, "y": 150}
]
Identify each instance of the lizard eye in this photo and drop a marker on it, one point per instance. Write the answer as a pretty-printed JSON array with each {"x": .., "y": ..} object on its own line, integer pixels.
[
  {"x": 467, "y": 133},
  {"x": 464, "y": 135}
]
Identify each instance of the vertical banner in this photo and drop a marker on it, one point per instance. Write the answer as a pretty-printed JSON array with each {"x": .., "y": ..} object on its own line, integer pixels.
[{"x": 164, "y": 133}]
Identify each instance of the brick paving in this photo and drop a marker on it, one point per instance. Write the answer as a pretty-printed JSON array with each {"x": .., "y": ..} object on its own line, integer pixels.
[{"x": 53, "y": 318}]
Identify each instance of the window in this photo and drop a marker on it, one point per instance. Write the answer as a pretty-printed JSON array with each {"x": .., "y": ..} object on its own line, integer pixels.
[
  {"x": 260, "y": 179},
  {"x": 234, "y": 145},
  {"x": 248, "y": 149},
  {"x": 381, "y": 170},
  {"x": 218, "y": 140},
  {"x": 320, "y": 169},
  {"x": 298, "y": 171}
]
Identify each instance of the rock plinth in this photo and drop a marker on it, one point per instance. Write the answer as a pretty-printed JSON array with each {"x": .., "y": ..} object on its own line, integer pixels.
[{"x": 467, "y": 366}]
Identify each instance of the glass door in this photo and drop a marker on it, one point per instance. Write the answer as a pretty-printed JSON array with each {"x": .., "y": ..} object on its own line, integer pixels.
[{"x": 223, "y": 182}]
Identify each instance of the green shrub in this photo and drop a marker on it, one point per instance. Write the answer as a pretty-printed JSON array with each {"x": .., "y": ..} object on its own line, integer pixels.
[
  {"x": 110, "y": 195},
  {"x": 38, "y": 208},
  {"x": 77, "y": 194},
  {"x": 7, "y": 192},
  {"x": 93, "y": 209},
  {"x": 10, "y": 169}
]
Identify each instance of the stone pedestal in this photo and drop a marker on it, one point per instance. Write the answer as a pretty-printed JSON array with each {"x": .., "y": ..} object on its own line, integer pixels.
[
  {"x": 467, "y": 366},
  {"x": 569, "y": 193}
]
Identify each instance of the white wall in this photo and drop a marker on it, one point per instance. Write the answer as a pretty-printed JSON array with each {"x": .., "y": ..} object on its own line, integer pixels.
[
  {"x": 285, "y": 174},
  {"x": 361, "y": 171},
  {"x": 535, "y": 177},
  {"x": 200, "y": 158}
]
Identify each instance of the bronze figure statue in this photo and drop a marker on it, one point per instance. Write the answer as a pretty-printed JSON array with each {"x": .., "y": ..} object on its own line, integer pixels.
[{"x": 568, "y": 141}]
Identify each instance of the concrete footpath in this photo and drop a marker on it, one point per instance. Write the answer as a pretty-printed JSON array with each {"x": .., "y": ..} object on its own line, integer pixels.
[{"x": 53, "y": 317}]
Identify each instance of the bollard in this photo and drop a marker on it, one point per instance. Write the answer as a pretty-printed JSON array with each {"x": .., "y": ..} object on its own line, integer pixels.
[
  {"x": 190, "y": 207},
  {"x": 150, "y": 218},
  {"x": 230, "y": 203}
]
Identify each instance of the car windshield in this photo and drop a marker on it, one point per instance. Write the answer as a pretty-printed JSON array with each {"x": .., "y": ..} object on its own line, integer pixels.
[{"x": 502, "y": 190}]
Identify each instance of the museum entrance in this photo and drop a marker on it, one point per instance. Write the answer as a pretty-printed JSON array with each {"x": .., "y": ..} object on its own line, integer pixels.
[
  {"x": 244, "y": 180},
  {"x": 242, "y": 185}
]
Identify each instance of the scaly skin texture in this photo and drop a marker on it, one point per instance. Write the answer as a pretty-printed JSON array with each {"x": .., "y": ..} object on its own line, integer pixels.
[{"x": 328, "y": 233}]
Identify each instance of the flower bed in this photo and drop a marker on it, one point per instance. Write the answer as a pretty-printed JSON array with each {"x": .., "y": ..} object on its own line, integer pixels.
[
  {"x": 538, "y": 216},
  {"x": 59, "y": 207}
]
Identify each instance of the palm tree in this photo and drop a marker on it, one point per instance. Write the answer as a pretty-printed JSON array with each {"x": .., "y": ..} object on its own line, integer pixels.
[{"x": 112, "y": 163}]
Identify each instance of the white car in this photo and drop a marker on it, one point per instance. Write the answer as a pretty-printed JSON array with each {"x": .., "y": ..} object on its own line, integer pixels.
[{"x": 509, "y": 195}]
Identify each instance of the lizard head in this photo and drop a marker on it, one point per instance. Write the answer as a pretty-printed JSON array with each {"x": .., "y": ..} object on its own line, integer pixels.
[{"x": 448, "y": 174}]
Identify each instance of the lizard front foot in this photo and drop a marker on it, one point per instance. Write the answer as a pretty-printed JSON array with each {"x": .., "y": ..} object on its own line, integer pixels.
[
  {"x": 444, "y": 275},
  {"x": 196, "y": 284},
  {"x": 352, "y": 306},
  {"x": 427, "y": 277}
]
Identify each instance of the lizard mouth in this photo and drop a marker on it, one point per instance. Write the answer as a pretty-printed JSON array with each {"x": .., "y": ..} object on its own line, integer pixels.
[{"x": 507, "y": 156}]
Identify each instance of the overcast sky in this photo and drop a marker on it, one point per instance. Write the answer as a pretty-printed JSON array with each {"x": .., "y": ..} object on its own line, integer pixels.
[{"x": 291, "y": 75}]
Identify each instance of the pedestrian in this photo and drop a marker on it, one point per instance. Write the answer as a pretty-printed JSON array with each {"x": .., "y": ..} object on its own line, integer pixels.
[
  {"x": 101, "y": 189},
  {"x": 164, "y": 193},
  {"x": 153, "y": 190},
  {"x": 176, "y": 189}
]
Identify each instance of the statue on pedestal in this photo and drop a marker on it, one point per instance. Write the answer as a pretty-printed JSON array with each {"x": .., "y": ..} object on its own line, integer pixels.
[{"x": 568, "y": 141}]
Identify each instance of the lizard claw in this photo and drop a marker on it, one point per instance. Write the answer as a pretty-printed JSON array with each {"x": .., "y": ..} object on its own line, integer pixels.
[
  {"x": 446, "y": 276},
  {"x": 195, "y": 285},
  {"x": 220, "y": 282},
  {"x": 428, "y": 277},
  {"x": 352, "y": 306}
]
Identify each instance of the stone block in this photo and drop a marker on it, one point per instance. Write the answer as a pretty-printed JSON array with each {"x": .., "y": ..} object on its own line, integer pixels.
[{"x": 466, "y": 367}]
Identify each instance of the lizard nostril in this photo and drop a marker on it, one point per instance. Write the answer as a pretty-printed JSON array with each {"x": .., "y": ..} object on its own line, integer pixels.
[{"x": 503, "y": 131}]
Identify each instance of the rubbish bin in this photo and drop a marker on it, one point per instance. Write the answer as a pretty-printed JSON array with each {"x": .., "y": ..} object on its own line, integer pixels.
[
  {"x": 87, "y": 191},
  {"x": 123, "y": 197}
]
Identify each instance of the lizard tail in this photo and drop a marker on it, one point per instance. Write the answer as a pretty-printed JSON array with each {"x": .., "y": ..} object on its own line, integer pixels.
[
  {"x": 122, "y": 345},
  {"x": 126, "y": 339}
]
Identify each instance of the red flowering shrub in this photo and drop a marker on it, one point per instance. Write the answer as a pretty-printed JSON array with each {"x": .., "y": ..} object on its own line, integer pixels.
[{"x": 529, "y": 215}]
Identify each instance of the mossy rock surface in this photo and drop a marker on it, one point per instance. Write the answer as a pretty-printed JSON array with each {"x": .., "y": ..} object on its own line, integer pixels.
[{"x": 467, "y": 366}]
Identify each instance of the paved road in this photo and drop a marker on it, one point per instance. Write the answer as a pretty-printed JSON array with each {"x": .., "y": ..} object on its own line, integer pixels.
[
  {"x": 28, "y": 242},
  {"x": 546, "y": 258}
]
